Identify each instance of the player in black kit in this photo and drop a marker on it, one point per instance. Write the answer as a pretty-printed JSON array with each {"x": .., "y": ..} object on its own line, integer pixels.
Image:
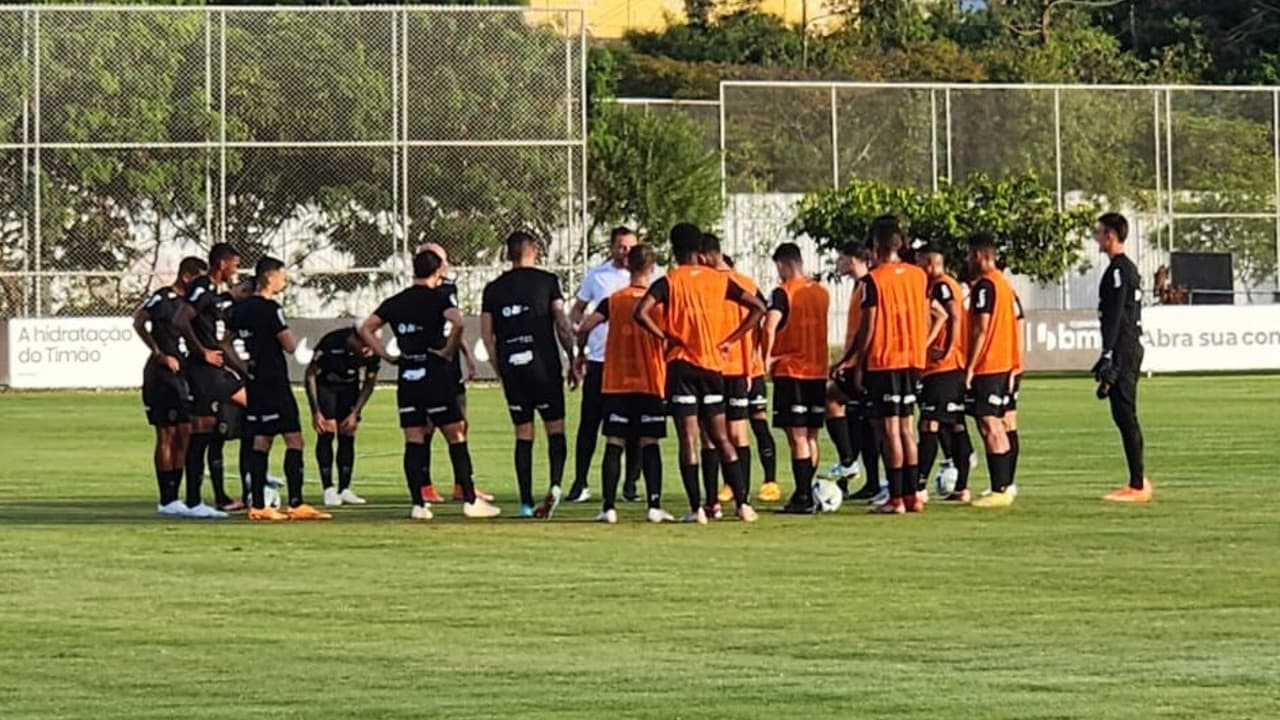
[
  {"x": 165, "y": 393},
  {"x": 213, "y": 370},
  {"x": 1120, "y": 310},
  {"x": 340, "y": 380},
  {"x": 259, "y": 323},
  {"x": 522, "y": 319},
  {"x": 426, "y": 381}
]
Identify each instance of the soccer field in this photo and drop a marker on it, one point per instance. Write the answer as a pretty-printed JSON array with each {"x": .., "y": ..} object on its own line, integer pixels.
[{"x": 1061, "y": 607}]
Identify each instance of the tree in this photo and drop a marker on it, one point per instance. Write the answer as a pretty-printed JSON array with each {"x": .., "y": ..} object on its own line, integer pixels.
[{"x": 1034, "y": 237}]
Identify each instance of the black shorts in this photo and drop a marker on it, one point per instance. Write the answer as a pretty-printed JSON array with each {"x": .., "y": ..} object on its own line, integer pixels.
[
  {"x": 634, "y": 415},
  {"x": 892, "y": 393},
  {"x": 272, "y": 411},
  {"x": 165, "y": 396},
  {"x": 942, "y": 397},
  {"x": 335, "y": 401},
  {"x": 527, "y": 392},
  {"x": 988, "y": 395},
  {"x": 692, "y": 390},
  {"x": 231, "y": 423},
  {"x": 757, "y": 396},
  {"x": 857, "y": 404},
  {"x": 211, "y": 387},
  {"x": 1013, "y": 397},
  {"x": 737, "y": 396},
  {"x": 799, "y": 403}
]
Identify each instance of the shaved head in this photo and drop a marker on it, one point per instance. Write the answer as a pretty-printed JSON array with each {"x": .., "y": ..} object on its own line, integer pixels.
[{"x": 436, "y": 248}]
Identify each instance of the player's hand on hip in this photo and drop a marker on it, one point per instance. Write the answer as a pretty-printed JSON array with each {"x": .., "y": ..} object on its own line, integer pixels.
[
  {"x": 857, "y": 381},
  {"x": 213, "y": 357},
  {"x": 173, "y": 363},
  {"x": 968, "y": 379}
]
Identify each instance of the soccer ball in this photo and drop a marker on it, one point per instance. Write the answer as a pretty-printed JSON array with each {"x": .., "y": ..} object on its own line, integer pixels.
[
  {"x": 945, "y": 481},
  {"x": 827, "y": 495},
  {"x": 271, "y": 493}
]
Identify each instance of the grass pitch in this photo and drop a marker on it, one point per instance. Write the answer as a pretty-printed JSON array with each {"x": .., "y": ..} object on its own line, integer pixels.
[{"x": 1061, "y": 607}]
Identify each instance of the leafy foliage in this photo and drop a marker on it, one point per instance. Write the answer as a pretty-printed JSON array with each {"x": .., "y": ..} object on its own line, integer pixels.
[{"x": 1034, "y": 237}]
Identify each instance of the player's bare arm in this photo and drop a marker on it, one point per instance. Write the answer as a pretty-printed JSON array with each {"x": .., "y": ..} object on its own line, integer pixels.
[
  {"x": 469, "y": 359},
  {"x": 564, "y": 334},
  {"x": 772, "y": 320},
  {"x": 318, "y": 422},
  {"x": 644, "y": 317},
  {"x": 978, "y": 338},
  {"x": 370, "y": 381},
  {"x": 490, "y": 343},
  {"x": 288, "y": 342},
  {"x": 577, "y": 312},
  {"x": 369, "y": 333},
  {"x": 755, "y": 311},
  {"x": 140, "y": 320},
  {"x": 939, "y": 318},
  {"x": 454, "y": 341}
]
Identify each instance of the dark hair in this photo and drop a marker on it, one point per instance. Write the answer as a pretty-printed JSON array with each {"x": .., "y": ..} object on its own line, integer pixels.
[
  {"x": 192, "y": 265},
  {"x": 618, "y": 232},
  {"x": 425, "y": 264},
  {"x": 517, "y": 242},
  {"x": 710, "y": 243},
  {"x": 928, "y": 249},
  {"x": 1116, "y": 223},
  {"x": 983, "y": 242},
  {"x": 221, "y": 251},
  {"x": 266, "y": 265},
  {"x": 686, "y": 241},
  {"x": 641, "y": 257},
  {"x": 787, "y": 252},
  {"x": 887, "y": 235}
]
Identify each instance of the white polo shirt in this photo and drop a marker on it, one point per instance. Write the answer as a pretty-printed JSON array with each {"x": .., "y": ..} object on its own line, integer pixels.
[{"x": 599, "y": 283}]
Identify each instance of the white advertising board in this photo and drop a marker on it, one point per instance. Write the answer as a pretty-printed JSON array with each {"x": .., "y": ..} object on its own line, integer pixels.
[
  {"x": 74, "y": 353},
  {"x": 1182, "y": 338}
]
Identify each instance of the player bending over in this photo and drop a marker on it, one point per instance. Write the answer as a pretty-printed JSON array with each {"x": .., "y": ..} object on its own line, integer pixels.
[
  {"x": 522, "y": 318},
  {"x": 989, "y": 370},
  {"x": 632, "y": 385},
  {"x": 691, "y": 296},
  {"x": 165, "y": 394},
  {"x": 340, "y": 380},
  {"x": 426, "y": 386},
  {"x": 795, "y": 332}
]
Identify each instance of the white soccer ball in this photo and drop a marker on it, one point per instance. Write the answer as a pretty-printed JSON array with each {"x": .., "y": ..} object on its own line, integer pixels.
[
  {"x": 827, "y": 495},
  {"x": 271, "y": 493},
  {"x": 945, "y": 481}
]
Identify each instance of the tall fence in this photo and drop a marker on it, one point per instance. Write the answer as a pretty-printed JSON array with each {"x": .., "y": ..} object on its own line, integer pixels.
[
  {"x": 1196, "y": 168},
  {"x": 336, "y": 138}
]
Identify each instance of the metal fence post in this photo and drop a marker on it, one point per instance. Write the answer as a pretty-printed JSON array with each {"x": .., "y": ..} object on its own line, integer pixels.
[
  {"x": 1275, "y": 146},
  {"x": 835, "y": 143},
  {"x": 397, "y": 226},
  {"x": 1168, "y": 166},
  {"x": 26, "y": 172},
  {"x": 404, "y": 129},
  {"x": 38, "y": 190},
  {"x": 1065, "y": 283},
  {"x": 222, "y": 127},
  {"x": 946, "y": 96},
  {"x": 933, "y": 139},
  {"x": 208, "y": 109}
]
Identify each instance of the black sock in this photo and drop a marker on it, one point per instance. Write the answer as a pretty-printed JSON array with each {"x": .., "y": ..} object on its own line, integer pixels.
[
  {"x": 324, "y": 459},
  {"x": 258, "y": 477},
  {"x": 733, "y": 478},
  {"x": 195, "y": 467},
  {"x": 853, "y": 427},
  {"x": 744, "y": 467},
  {"x": 962, "y": 448},
  {"x": 802, "y": 470},
  {"x": 245, "y": 465},
  {"x": 460, "y": 459},
  {"x": 162, "y": 486},
  {"x": 346, "y": 460},
  {"x": 651, "y": 463},
  {"x": 524, "y": 470},
  {"x": 426, "y": 461},
  {"x": 944, "y": 446},
  {"x": 998, "y": 469},
  {"x": 928, "y": 451},
  {"x": 557, "y": 453},
  {"x": 611, "y": 473},
  {"x": 896, "y": 489},
  {"x": 710, "y": 475},
  {"x": 632, "y": 465},
  {"x": 293, "y": 475},
  {"x": 584, "y": 448},
  {"x": 870, "y": 454},
  {"x": 167, "y": 482},
  {"x": 1014, "y": 449},
  {"x": 767, "y": 449},
  {"x": 217, "y": 469},
  {"x": 911, "y": 482},
  {"x": 414, "y": 461},
  {"x": 838, "y": 429},
  {"x": 689, "y": 476}
]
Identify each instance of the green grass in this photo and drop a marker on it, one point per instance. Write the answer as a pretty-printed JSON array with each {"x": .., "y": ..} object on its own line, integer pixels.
[{"x": 1059, "y": 608}]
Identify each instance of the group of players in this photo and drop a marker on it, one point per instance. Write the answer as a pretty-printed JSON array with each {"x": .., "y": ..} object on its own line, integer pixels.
[{"x": 694, "y": 345}]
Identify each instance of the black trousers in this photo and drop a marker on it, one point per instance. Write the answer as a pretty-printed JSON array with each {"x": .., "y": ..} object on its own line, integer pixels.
[
  {"x": 1123, "y": 397},
  {"x": 590, "y": 419}
]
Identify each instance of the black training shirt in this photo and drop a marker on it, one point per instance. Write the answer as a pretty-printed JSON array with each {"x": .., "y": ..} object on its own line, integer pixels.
[
  {"x": 213, "y": 312},
  {"x": 257, "y": 322},
  {"x": 337, "y": 364},
  {"x": 1120, "y": 306},
  {"x": 162, "y": 306},
  {"x": 520, "y": 303},
  {"x": 416, "y": 317}
]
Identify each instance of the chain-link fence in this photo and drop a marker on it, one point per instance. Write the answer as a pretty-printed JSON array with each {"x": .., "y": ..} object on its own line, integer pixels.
[
  {"x": 337, "y": 139},
  {"x": 1195, "y": 168}
]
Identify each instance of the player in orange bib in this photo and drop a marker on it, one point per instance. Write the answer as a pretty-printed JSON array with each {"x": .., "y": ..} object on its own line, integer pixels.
[
  {"x": 942, "y": 389},
  {"x": 847, "y": 421},
  {"x": 795, "y": 341},
  {"x": 633, "y": 382},
  {"x": 892, "y": 337},
  {"x": 692, "y": 297},
  {"x": 992, "y": 358}
]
